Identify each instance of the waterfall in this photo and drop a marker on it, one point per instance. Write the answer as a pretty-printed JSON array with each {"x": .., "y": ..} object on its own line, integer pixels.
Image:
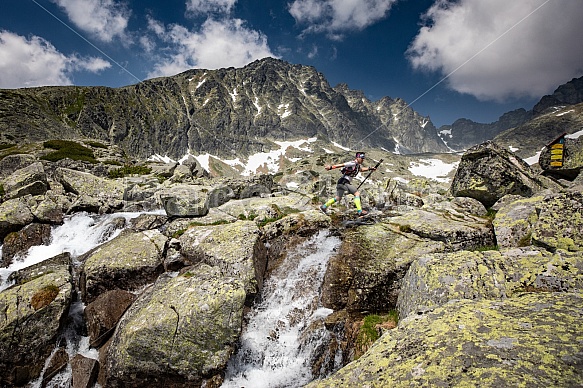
[
  {"x": 78, "y": 234},
  {"x": 285, "y": 333}
]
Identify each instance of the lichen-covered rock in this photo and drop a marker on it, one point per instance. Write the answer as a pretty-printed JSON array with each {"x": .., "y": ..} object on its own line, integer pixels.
[
  {"x": 33, "y": 312},
  {"x": 179, "y": 332},
  {"x": 515, "y": 220},
  {"x": 560, "y": 222},
  {"x": 435, "y": 279},
  {"x": 140, "y": 193},
  {"x": 128, "y": 262},
  {"x": 235, "y": 248},
  {"x": 366, "y": 274},
  {"x": 163, "y": 169},
  {"x": 302, "y": 224},
  {"x": 11, "y": 163},
  {"x": 259, "y": 209},
  {"x": 92, "y": 191},
  {"x": 487, "y": 172},
  {"x": 457, "y": 231},
  {"x": 30, "y": 180},
  {"x": 14, "y": 214},
  {"x": 185, "y": 200},
  {"x": 51, "y": 207},
  {"x": 491, "y": 343}
]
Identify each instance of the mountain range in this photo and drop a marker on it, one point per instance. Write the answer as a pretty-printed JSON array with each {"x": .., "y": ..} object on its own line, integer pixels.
[{"x": 237, "y": 112}]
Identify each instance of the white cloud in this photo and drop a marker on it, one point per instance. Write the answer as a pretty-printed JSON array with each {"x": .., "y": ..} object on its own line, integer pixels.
[
  {"x": 499, "y": 49},
  {"x": 104, "y": 19},
  {"x": 36, "y": 62},
  {"x": 218, "y": 44},
  {"x": 91, "y": 64},
  {"x": 334, "y": 16},
  {"x": 208, "y": 6}
]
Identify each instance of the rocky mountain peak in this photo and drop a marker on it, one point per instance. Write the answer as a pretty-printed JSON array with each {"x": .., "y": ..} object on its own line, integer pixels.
[{"x": 225, "y": 112}]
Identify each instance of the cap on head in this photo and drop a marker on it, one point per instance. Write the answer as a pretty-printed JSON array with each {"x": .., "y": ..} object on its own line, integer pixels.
[{"x": 360, "y": 155}]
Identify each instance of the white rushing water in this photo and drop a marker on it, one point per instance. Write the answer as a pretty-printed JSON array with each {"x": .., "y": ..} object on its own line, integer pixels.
[
  {"x": 285, "y": 330},
  {"x": 78, "y": 234}
]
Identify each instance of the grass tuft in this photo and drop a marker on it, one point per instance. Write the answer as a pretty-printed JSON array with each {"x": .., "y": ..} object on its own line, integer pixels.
[{"x": 68, "y": 149}]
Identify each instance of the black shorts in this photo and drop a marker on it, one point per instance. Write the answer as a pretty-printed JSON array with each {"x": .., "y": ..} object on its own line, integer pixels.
[{"x": 343, "y": 186}]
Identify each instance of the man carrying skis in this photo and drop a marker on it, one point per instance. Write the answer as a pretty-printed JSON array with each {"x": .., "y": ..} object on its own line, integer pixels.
[{"x": 349, "y": 171}]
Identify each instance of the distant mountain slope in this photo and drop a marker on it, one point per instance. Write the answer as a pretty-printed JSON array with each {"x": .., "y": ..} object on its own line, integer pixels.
[
  {"x": 225, "y": 112},
  {"x": 526, "y": 130},
  {"x": 464, "y": 133},
  {"x": 528, "y": 139}
]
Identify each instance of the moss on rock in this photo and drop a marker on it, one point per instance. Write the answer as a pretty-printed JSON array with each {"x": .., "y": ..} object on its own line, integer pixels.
[{"x": 511, "y": 343}]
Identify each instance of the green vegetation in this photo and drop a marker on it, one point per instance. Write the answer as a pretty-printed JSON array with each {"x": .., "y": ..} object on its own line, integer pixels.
[
  {"x": 112, "y": 163},
  {"x": 44, "y": 296},
  {"x": 487, "y": 248},
  {"x": 525, "y": 240},
  {"x": 2, "y": 192},
  {"x": 371, "y": 330},
  {"x": 96, "y": 144},
  {"x": 68, "y": 149},
  {"x": 405, "y": 228},
  {"x": 129, "y": 170},
  {"x": 491, "y": 214},
  {"x": 5, "y": 146}
]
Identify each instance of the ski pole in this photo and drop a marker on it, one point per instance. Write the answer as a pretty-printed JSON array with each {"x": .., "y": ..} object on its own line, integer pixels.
[{"x": 374, "y": 168}]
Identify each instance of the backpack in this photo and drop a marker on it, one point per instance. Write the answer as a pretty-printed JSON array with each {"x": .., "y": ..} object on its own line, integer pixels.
[{"x": 351, "y": 170}]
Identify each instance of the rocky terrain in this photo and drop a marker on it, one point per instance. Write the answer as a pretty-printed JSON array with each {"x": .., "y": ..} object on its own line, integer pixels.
[
  {"x": 485, "y": 272},
  {"x": 480, "y": 269}
]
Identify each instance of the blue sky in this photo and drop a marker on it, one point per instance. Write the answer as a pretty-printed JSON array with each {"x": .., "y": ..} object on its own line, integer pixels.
[{"x": 448, "y": 59}]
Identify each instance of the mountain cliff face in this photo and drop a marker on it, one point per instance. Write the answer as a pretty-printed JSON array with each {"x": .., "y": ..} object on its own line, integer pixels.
[
  {"x": 226, "y": 112},
  {"x": 464, "y": 133},
  {"x": 570, "y": 93}
]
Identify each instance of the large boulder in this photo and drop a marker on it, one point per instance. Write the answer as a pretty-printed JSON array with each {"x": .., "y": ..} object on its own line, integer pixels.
[
  {"x": 93, "y": 193},
  {"x": 365, "y": 275},
  {"x": 128, "y": 262},
  {"x": 51, "y": 207},
  {"x": 33, "y": 313},
  {"x": 435, "y": 279},
  {"x": 515, "y": 219},
  {"x": 456, "y": 230},
  {"x": 11, "y": 163},
  {"x": 14, "y": 214},
  {"x": 491, "y": 343},
  {"x": 180, "y": 332},
  {"x": 103, "y": 314},
  {"x": 185, "y": 200},
  {"x": 84, "y": 372},
  {"x": 488, "y": 172},
  {"x": 140, "y": 193},
  {"x": 236, "y": 248},
  {"x": 30, "y": 180},
  {"x": 560, "y": 222}
]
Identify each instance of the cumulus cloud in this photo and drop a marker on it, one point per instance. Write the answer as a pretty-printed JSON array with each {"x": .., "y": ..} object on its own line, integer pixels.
[
  {"x": 335, "y": 17},
  {"x": 103, "y": 19},
  {"x": 218, "y": 44},
  {"x": 36, "y": 62},
  {"x": 499, "y": 49},
  {"x": 208, "y": 6}
]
